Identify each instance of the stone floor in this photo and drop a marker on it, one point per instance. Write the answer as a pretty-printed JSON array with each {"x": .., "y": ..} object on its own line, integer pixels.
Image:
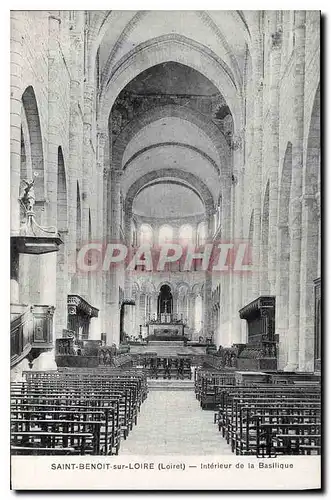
[{"x": 172, "y": 423}]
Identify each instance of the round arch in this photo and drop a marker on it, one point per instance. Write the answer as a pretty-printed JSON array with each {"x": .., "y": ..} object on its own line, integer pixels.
[
  {"x": 176, "y": 48},
  {"x": 170, "y": 172},
  {"x": 30, "y": 106},
  {"x": 171, "y": 145},
  {"x": 171, "y": 110}
]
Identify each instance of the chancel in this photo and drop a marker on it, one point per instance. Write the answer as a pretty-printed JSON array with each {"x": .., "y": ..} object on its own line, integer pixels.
[{"x": 176, "y": 134}]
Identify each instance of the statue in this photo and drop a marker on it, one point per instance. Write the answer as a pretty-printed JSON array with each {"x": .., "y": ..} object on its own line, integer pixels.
[{"x": 28, "y": 198}]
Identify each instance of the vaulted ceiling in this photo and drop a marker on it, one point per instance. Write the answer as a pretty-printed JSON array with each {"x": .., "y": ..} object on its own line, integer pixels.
[{"x": 175, "y": 112}]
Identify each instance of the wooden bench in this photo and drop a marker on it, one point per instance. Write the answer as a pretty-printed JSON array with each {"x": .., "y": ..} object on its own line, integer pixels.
[{"x": 79, "y": 412}]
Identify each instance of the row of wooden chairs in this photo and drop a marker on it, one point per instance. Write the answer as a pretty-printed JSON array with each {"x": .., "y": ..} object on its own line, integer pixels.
[
  {"x": 168, "y": 368},
  {"x": 264, "y": 419},
  {"x": 208, "y": 383},
  {"x": 269, "y": 420},
  {"x": 75, "y": 412}
]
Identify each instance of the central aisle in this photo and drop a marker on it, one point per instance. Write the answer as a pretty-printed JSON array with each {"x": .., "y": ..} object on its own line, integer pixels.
[{"x": 172, "y": 423}]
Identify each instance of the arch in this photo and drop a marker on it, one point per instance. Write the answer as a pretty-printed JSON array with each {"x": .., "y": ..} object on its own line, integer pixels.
[
  {"x": 182, "y": 285},
  {"x": 102, "y": 21},
  {"x": 165, "y": 282},
  {"x": 148, "y": 288},
  {"x": 30, "y": 106},
  {"x": 26, "y": 161},
  {"x": 171, "y": 110},
  {"x": 172, "y": 144},
  {"x": 197, "y": 289},
  {"x": 173, "y": 182},
  {"x": 170, "y": 172},
  {"x": 176, "y": 48},
  {"x": 165, "y": 300},
  {"x": 62, "y": 201}
]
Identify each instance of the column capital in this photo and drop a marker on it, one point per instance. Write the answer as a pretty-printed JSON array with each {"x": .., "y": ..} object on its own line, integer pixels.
[
  {"x": 237, "y": 142},
  {"x": 102, "y": 137},
  {"x": 276, "y": 38}
]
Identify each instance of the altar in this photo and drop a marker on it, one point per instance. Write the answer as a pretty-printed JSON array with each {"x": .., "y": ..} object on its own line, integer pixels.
[{"x": 165, "y": 325}]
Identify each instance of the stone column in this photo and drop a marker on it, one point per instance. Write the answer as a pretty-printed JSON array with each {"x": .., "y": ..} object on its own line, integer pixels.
[
  {"x": 46, "y": 360},
  {"x": 281, "y": 312},
  {"x": 87, "y": 180},
  {"x": 225, "y": 281},
  {"x": 275, "y": 62},
  {"x": 295, "y": 212},
  {"x": 75, "y": 172},
  {"x": 99, "y": 298},
  {"x": 207, "y": 312},
  {"x": 237, "y": 277},
  {"x": 191, "y": 308},
  {"x": 309, "y": 269},
  {"x": 257, "y": 152},
  {"x": 54, "y": 267},
  {"x": 113, "y": 311},
  {"x": 16, "y": 61}
]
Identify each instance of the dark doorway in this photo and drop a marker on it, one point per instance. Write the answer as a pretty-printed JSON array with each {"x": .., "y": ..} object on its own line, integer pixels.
[{"x": 164, "y": 301}]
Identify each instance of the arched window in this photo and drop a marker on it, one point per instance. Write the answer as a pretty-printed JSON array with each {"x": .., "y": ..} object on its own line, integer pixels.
[
  {"x": 145, "y": 234},
  {"x": 165, "y": 234}
]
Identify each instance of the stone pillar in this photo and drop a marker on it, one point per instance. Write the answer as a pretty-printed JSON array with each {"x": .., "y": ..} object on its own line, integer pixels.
[
  {"x": 95, "y": 329},
  {"x": 281, "y": 312},
  {"x": 207, "y": 311},
  {"x": 75, "y": 172},
  {"x": 309, "y": 269},
  {"x": 53, "y": 121},
  {"x": 99, "y": 298},
  {"x": 88, "y": 194},
  {"x": 275, "y": 62},
  {"x": 295, "y": 213},
  {"x": 257, "y": 151},
  {"x": 113, "y": 310},
  {"x": 237, "y": 277},
  {"x": 60, "y": 273},
  {"x": 225, "y": 280},
  {"x": 191, "y": 308},
  {"x": 46, "y": 360},
  {"x": 16, "y": 44}
]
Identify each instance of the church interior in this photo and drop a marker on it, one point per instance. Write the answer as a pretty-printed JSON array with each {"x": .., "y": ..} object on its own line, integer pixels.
[{"x": 151, "y": 132}]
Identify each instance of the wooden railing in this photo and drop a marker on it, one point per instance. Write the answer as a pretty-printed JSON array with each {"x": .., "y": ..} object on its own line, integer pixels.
[{"x": 30, "y": 328}]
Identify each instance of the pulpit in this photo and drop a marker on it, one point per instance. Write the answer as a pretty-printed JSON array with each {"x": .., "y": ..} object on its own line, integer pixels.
[
  {"x": 260, "y": 351},
  {"x": 80, "y": 313}
]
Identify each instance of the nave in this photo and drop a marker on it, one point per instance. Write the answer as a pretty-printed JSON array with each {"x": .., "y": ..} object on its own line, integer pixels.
[
  {"x": 172, "y": 423},
  {"x": 103, "y": 412}
]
